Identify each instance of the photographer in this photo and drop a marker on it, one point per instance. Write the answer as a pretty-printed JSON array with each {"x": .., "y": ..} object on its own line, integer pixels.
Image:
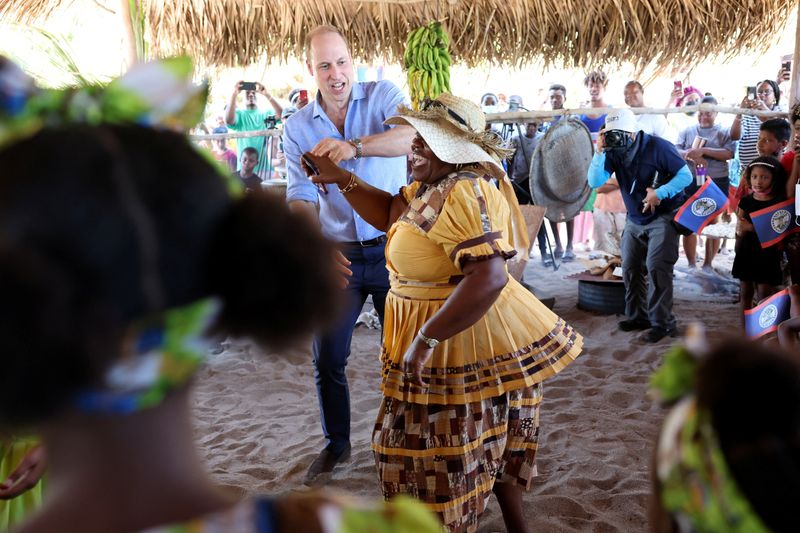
[
  {"x": 651, "y": 176},
  {"x": 252, "y": 119}
]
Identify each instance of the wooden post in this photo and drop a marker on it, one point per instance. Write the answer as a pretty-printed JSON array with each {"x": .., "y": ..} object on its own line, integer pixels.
[
  {"x": 129, "y": 36},
  {"x": 795, "y": 87}
]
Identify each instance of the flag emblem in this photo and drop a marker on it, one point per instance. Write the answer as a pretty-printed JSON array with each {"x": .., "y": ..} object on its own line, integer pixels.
[
  {"x": 775, "y": 222},
  {"x": 703, "y": 207},
  {"x": 768, "y": 316},
  {"x": 780, "y": 220}
]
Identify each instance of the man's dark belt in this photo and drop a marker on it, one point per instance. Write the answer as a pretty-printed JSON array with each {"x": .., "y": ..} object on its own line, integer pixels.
[{"x": 366, "y": 244}]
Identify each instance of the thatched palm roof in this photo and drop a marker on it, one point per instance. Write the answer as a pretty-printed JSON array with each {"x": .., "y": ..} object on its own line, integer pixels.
[{"x": 573, "y": 33}]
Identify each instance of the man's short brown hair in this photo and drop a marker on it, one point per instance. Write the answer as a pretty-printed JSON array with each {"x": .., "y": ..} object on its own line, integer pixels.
[{"x": 319, "y": 30}]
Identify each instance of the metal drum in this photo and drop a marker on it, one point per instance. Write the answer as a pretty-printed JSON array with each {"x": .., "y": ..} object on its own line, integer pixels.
[{"x": 275, "y": 187}]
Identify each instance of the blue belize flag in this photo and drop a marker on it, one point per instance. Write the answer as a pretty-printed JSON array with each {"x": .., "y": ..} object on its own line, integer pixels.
[
  {"x": 702, "y": 207},
  {"x": 775, "y": 222},
  {"x": 767, "y": 316}
]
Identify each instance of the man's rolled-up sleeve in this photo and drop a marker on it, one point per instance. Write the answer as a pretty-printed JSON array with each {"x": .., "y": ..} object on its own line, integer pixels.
[
  {"x": 298, "y": 187},
  {"x": 392, "y": 97}
]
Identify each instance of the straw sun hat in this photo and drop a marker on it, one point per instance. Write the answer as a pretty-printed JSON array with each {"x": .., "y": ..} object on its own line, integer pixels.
[{"x": 455, "y": 130}]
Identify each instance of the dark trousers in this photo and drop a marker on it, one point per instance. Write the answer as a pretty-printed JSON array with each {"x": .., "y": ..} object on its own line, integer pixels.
[
  {"x": 332, "y": 347},
  {"x": 649, "y": 251}
]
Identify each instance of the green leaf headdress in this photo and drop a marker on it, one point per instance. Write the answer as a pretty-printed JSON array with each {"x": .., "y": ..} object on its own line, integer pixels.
[
  {"x": 161, "y": 352},
  {"x": 158, "y": 94},
  {"x": 697, "y": 488}
]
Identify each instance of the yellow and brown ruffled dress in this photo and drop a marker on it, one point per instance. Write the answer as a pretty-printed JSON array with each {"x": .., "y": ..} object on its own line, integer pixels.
[{"x": 476, "y": 420}]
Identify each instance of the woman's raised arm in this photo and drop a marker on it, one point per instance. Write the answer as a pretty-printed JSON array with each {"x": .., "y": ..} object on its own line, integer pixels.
[{"x": 379, "y": 208}]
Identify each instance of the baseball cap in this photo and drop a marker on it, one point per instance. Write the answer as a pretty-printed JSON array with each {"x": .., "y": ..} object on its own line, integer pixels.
[{"x": 622, "y": 119}]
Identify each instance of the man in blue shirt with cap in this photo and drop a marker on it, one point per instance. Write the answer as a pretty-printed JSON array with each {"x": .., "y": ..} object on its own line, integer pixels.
[{"x": 651, "y": 176}]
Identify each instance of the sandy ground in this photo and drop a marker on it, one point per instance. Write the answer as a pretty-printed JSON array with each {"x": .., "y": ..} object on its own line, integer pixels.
[{"x": 257, "y": 420}]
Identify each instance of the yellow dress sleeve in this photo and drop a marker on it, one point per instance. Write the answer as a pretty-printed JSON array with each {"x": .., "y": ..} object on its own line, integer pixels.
[
  {"x": 473, "y": 223},
  {"x": 407, "y": 192}
]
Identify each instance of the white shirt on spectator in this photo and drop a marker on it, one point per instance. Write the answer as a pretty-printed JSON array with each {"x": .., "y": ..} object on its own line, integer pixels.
[{"x": 653, "y": 125}]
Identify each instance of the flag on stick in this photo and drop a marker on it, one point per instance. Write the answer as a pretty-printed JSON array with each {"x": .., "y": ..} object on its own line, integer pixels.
[{"x": 767, "y": 316}]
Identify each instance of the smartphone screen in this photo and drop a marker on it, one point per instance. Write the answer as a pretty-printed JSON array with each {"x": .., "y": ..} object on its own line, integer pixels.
[
  {"x": 751, "y": 93},
  {"x": 678, "y": 85},
  {"x": 248, "y": 86},
  {"x": 303, "y": 95}
]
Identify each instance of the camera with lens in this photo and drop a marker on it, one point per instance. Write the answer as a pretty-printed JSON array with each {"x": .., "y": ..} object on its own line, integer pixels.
[
  {"x": 616, "y": 139},
  {"x": 270, "y": 123}
]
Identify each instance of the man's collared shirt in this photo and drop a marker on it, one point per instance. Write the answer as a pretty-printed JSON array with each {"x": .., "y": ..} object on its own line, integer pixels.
[
  {"x": 654, "y": 156},
  {"x": 371, "y": 103}
]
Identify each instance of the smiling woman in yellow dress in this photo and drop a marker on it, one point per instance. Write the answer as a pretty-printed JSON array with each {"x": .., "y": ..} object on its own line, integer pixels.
[{"x": 465, "y": 346}]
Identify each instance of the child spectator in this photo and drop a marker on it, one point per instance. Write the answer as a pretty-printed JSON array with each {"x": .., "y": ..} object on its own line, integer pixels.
[
  {"x": 247, "y": 175},
  {"x": 773, "y": 137},
  {"x": 758, "y": 269},
  {"x": 223, "y": 154}
]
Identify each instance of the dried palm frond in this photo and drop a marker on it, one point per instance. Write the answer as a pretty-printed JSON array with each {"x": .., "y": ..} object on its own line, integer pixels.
[{"x": 569, "y": 33}]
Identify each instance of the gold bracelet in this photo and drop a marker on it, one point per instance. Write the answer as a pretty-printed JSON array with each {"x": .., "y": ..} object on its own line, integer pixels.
[{"x": 352, "y": 184}]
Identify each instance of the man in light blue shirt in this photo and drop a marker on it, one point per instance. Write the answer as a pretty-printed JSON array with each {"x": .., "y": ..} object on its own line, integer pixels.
[{"x": 345, "y": 123}]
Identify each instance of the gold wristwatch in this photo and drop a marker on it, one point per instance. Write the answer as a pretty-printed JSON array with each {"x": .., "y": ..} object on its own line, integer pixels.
[
  {"x": 432, "y": 343},
  {"x": 356, "y": 143}
]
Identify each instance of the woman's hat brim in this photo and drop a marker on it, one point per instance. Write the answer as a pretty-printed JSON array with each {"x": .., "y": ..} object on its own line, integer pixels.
[{"x": 448, "y": 143}]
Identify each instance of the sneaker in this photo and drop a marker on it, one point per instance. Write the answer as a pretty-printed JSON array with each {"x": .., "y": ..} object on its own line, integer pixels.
[
  {"x": 634, "y": 324},
  {"x": 657, "y": 333},
  {"x": 569, "y": 255}
]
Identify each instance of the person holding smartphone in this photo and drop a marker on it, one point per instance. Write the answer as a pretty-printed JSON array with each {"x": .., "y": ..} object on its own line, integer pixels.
[
  {"x": 251, "y": 118},
  {"x": 298, "y": 98},
  {"x": 745, "y": 128}
]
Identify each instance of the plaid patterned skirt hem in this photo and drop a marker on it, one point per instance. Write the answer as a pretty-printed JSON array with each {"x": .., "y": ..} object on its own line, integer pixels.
[{"x": 450, "y": 456}]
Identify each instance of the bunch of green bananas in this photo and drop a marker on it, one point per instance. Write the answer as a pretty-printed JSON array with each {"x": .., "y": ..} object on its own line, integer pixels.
[{"x": 427, "y": 62}]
